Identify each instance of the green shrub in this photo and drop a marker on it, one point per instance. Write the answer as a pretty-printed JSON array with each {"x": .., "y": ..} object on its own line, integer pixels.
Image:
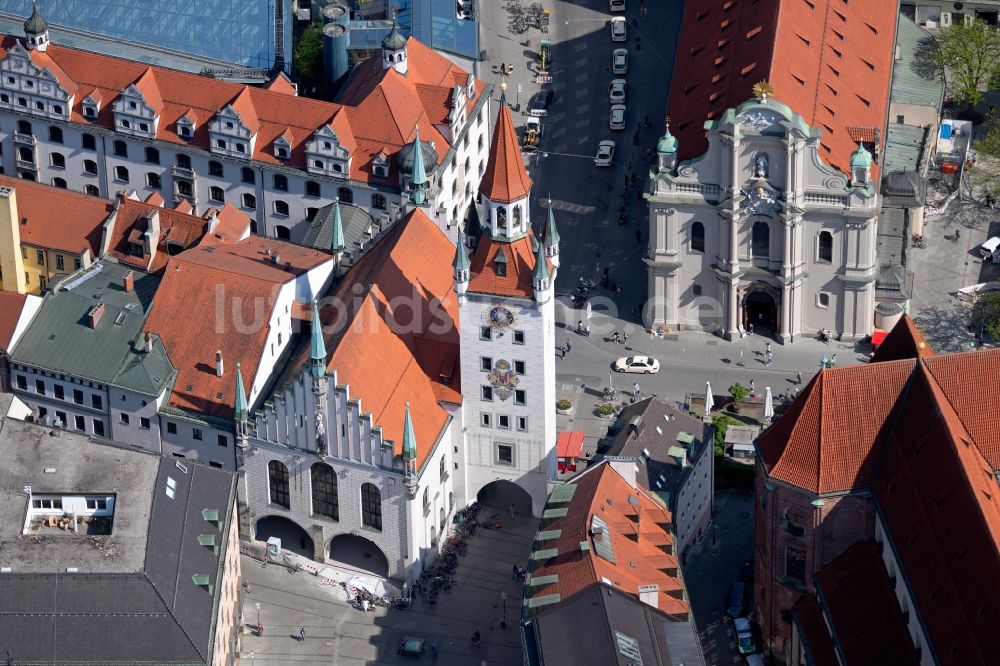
[
  {"x": 738, "y": 391},
  {"x": 563, "y": 404},
  {"x": 606, "y": 409},
  {"x": 721, "y": 422}
]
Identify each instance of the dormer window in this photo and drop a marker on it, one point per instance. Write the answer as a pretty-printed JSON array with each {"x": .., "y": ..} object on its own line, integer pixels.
[
  {"x": 184, "y": 131},
  {"x": 501, "y": 218},
  {"x": 327, "y": 145},
  {"x": 125, "y": 123},
  {"x": 338, "y": 168},
  {"x": 240, "y": 148},
  {"x": 229, "y": 126},
  {"x": 90, "y": 111},
  {"x": 133, "y": 105},
  {"x": 281, "y": 153},
  {"x": 500, "y": 263},
  {"x": 380, "y": 171}
]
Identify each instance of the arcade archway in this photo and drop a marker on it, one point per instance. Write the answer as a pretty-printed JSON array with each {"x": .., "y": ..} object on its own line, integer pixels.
[
  {"x": 501, "y": 494},
  {"x": 357, "y": 552},
  {"x": 760, "y": 308},
  {"x": 293, "y": 537}
]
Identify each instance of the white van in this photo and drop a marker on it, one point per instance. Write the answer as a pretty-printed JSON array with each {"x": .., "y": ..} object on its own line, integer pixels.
[
  {"x": 617, "y": 5},
  {"x": 988, "y": 250},
  {"x": 618, "y": 29}
]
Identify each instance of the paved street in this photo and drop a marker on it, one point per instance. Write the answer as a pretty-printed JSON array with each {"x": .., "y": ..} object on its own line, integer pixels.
[{"x": 336, "y": 633}]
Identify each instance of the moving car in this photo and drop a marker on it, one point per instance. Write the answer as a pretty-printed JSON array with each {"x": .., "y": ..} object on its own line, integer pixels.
[
  {"x": 643, "y": 365},
  {"x": 616, "y": 5},
  {"x": 540, "y": 103},
  {"x": 619, "y": 61},
  {"x": 744, "y": 635},
  {"x": 617, "y": 121},
  {"x": 532, "y": 132},
  {"x": 619, "y": 29},
  {"x": 990, "y": 249},
  {"x": 616, "y": 91},
  {"x": 605, "y": 153}
]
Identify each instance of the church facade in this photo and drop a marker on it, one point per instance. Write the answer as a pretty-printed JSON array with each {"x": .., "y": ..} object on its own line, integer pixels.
[{"x": 759, "y": 233}]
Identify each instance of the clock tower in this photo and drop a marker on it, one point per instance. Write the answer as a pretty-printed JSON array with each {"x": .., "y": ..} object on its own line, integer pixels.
[{"x": 507, "y": 311}]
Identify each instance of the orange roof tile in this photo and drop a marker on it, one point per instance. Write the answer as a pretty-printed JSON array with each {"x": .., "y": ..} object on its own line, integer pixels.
[
  {"x": 184, "y": 206},
  {"x": 830, "y": 61},
  {"x": 518, "y": 282},
  {"x": 903, "y": 341},
  {"x": 146, "y": 84},
  {"x": 59, "y": 219},
  {"x": 281, "y": 83},
  {"x": 11, "y": 305},
  {"x": 641, "y": 549},
  {"x": 383, "y": 123},
  {"x": 178, "y": 231},
  {"x": 505, "y": 178},
  {"x": 380, "y": 316},
  {"x": 190, "y": 287},
  {"x": 155, "y": 199}
]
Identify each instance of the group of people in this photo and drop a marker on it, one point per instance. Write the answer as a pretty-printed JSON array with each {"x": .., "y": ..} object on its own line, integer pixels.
[{"x": 619, "y": 339}]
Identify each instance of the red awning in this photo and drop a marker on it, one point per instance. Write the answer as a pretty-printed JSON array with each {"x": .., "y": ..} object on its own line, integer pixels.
[
  {"x": 878, "y": 337},
  {"x": 569, "y": 445}
]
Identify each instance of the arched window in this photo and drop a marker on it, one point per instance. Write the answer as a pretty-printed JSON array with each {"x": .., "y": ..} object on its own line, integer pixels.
[
  {"x": 371, "y": 506},
  {"x": 183, "y": 188},
  {"x": 152, "y": 155},
  {"x": 312, "y": 188},
  {"x": 697, "y": 237},
  {"x": 153, "y": 180},
  {"x": 216, "y": 193},
  {"x": 427, "y": 500},
  {"x": 249, "y": 201},
  {"x": 517, "y": 216},
  {"x": 378, "y": 202},
  {"x": 57, "y": 160},
  {"x": 280, "y": 207},
  {"x": 277, "y": 478},
  {"x": 55, "y": 135},
  {"x": 760, "y": 240},
  {"x": 89, "y": 142},
  {"x": 501, "y": 218},
  {"x": 247, "y": 174},
  {"x": 121, "y": 174},
  {"x": 324, "y": 491},
  {"x": 24, "y": 127},
  {"x": 282, "y": 232},
  {"x": 59, "y": 182},
  {"x": 120, "y": 148},
  {"x": 825, "y": 246},
  {"x": 90, "y": 166},
  {"x": 184, "y": 161},
  {"x": 280, "y": 182},
  {"x": 215, "y": 168},
  {"x": 345, "y": 194}
]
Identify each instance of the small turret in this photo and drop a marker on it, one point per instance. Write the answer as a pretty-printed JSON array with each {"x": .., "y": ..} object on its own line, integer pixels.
[
  {"x": 666, "y": 151},
  {"x": 551, "y": 238},
  {"x": 861, "y": 165},
  {"x": 461, "y": 263},
  {"x": 418, "y": 179},
  {"x": 337, "y": 243},
  {"x": 241, "y": 410},
  {"x": 409, "y": 455},
  {"x": 394, "y": 49},
  {"x": 317, "y": 353},
  {"x": 36, "y": 30}
]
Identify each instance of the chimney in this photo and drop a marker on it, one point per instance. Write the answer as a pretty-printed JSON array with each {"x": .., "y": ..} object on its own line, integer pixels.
[
  {"x": 648, "y": 594},
  {"x": 128, "y": 282},
  {"x": 275, "y": 258},
  {"x": 11, "y": 264},
  {"x": 94, "y": 315},
  {"x": 213, "y": 221},
  {"x": 145, "y": 343},
  {"x": 219, "y": 369}
]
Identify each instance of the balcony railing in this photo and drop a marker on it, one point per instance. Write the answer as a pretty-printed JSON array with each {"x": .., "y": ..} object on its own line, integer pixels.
[
  {"x": 182, "y": 172},
  {"x": 26, "y": 139},
  {"x": 31, "y": 164}
]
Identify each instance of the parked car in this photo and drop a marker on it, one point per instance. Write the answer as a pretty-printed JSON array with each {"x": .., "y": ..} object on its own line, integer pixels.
[
  {"x": 619, "y": 61},
  {"x": 539, "y": 105},
  {"x": 990, "y": 249},
  {"x": 619, "y": 29},
  {"x": 616, "y": 91},
  {"x": 605, "y": 153},
  {"x": 744, "y": 635},
  {"x": 616, "y": 5},
  {"x": 735, "y": 606},
  {"x": 643, "y": 365},
  {"x": 754, "y": 660},
  {"x": 617, "y": 121}
]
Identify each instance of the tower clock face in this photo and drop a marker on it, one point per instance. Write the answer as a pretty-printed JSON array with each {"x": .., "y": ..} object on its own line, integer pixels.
[{"x": 499, "y": 318}]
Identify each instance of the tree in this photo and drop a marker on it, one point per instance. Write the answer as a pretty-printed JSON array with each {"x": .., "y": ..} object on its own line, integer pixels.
[
  {"x": 970, "y": 56},
  {"x": 309, "y": 56},
  {"x": 738, "y": 391},
  {"x": 985, "y": 315},
  {"x": 721, "y": 423},
  {"x": 986, "y": 171}
]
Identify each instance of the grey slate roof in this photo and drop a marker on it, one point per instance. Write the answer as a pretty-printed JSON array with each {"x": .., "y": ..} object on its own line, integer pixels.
[
  {"x": 914, "y": 80},
  {"x": 586, "y": 629},
  {"x": 905, "y": 149},
  {"x": 134, "y": 600},
  {"x": 359, "y": 227},
  {"x": 660, "y": 474},
  {"x": 59, "y": 338}
]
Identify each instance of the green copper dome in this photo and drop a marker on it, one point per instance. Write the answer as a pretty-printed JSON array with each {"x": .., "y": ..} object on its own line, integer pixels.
[
  {"x": 861, "y": 158},
  {"x": 667, "y": 143}
]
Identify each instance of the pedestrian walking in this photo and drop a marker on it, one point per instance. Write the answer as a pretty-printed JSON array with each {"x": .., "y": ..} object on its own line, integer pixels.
[
  {"x": 569, "y": 347},
  {"x": 770, "y": 357},
  {"x": 515, "y": 570},
  {"x": 750, "y": 328},
  {"x": 513, "y": 510},
  {"x": 635, "y": 391},
  {"x": 302, "y": 634},
  {"x": 833, "y": 360},
  {"x": 476, "y": 638},
  {"x": 615, "y": 338},
  {"x": 767, "y": 348},
  {"x": 562, "y": 352},
  {"x": 753, "y": 387},
  {"x": 625, "y": 338},
  {"x": 798, "y": 377},
  {"x": 246, "y": 587}
]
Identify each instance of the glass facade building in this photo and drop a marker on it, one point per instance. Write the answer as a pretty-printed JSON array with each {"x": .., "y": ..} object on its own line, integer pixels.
[
  {"x": 436, "y": 23},
  {"x": 240, "y": 32}
]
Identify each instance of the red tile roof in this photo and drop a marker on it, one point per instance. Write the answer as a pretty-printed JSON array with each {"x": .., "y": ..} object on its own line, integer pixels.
[
  {"x": 518, "y": 282},
  {"x": 383, "y": 123},
  {"x": 11, "y": 305},
  {"x": 59, "y": 219},
  {"x": 178, "y": 231},
  {"x": 228, "y": 280},
  {"x": 505, "y": 178},
  {"x": 903, "y": 341},
  {"x": 830, "y": 61},
  {"x": 641, "y": 548},
  {"x": 854, "y": 589},
  {"x": 380, "y": 317},
  {"x": 813, "y": 631}
]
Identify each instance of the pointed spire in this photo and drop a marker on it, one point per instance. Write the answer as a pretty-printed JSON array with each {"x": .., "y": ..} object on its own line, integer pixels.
[
  {"x": 240, "y": 408},
  {"x": 418, "y": 177},
  {"x": 317, "y": 353},
  {"x": 542, "y": 273},
  {"x": 505, "y": 179},
  {"x": 551, "y": 234},
  {"x": 337, "y": 244},
  {"x": 461, "y": 262},
  {"x": 409, "y": 439},
  {"x": 36, "y": 23},
  {"x": 473, "y": 227}
]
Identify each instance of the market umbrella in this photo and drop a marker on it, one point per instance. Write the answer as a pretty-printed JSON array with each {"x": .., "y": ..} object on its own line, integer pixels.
[
  {"x": 768, "y": 405},
  {"x": 589, "y": 312},
  {"x": 709, "y": 402}
]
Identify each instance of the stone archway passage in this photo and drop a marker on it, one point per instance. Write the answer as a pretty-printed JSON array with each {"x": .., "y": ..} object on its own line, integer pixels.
[
  {"x": 761, "y": 310},
  {"x": 357, "y": 552},
  {"x": 501, "y": 494},
  {"x": 293, "y": 538}
]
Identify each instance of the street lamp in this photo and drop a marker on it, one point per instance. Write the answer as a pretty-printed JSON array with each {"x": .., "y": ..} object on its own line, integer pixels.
[
  {"x": 503, "y": 620},
  {"x": 257, "y": 604}
]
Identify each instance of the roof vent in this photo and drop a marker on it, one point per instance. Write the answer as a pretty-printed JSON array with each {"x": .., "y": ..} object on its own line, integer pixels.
[
  {"x": 219, "y": 367},
  {"x": 50, "y": 470},
  {"x": 288, "y": 266},
  {"x": 72, "y": 570},
  {"x": 275, "y": 258}
]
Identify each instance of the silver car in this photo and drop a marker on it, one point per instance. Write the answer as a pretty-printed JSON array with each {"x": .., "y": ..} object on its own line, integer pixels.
[
  {"x": 616, "y": 91},
  {"x": 619, "y": 61},
  {"x": 617, "y": 121}
]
